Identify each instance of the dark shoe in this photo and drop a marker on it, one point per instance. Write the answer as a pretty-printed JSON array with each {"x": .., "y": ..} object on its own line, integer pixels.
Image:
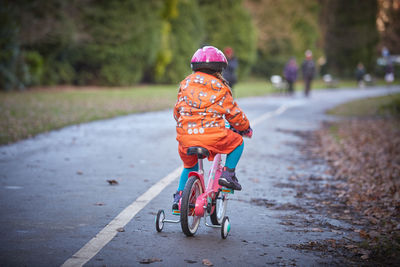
[
  {"x": 237, "y": 186},
  {"x": 177, "y": 197},
  {"x": 229, "y": 180}
]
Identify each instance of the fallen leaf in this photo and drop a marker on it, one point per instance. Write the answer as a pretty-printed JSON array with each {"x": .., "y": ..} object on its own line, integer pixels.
[
  {"x": 112, "y": 182},
  {"x": 317, "y": 230},
  {"x": 151, "y": 260},
  {"x": 363, "y": 234},
  {"x": 207, "y": 262},
  {"x": 365, "y": 257},
  {"x": 121, "y": 229}
]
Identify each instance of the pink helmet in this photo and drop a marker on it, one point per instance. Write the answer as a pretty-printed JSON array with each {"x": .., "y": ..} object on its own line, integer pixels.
[{"x": 208, "y": 57}]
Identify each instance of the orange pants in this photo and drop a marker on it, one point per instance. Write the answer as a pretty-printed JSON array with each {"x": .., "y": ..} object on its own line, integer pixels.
[{"x": 224, "y": 146}]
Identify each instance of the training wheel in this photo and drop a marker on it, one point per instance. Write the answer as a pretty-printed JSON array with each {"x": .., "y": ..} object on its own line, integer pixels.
[
  {"x": 225, "y": 227},
  {"x": 160, "y": 220}
]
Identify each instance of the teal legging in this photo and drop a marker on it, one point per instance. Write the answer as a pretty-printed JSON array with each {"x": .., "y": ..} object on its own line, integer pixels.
[
  {"x": 231, "y": 162},
  {"x": 232, "y": 158},
  {"x": 185, "y": 176}
]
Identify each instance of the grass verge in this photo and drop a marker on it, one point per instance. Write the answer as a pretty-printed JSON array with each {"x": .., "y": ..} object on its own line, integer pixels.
[
  {"x": 25, "y": 114},
  {"x": 383, "y": 106}
]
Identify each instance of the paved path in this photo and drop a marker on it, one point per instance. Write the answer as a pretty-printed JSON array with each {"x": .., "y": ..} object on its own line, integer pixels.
[{"x": 54, "y": 195}]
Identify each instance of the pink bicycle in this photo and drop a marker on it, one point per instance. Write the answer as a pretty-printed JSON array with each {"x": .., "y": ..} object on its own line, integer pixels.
[{"x": 199, "y": 201}]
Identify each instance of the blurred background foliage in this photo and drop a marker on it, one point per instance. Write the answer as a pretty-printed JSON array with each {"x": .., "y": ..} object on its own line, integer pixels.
[
  {"x": 350, "y": 34},
  {"x": 125, "y": 42},
  {"x": 286, "y": 29}
]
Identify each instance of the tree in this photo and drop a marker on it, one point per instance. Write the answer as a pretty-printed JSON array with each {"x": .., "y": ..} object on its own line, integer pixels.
[
  {"x": 286, "y": 28},
  {"x": 183, "y": 33},
  {"x": 350, "y": 34},
  {"x": 123, "y": 39},
  {"x": 389, "y": 24},
  {"x": 228, "y": 23}
]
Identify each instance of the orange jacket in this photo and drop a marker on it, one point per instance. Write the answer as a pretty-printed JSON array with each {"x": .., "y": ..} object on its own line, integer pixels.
[{"x": 203, "y": 103}]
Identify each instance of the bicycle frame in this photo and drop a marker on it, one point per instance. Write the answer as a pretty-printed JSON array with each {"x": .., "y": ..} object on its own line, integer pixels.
[{"x": 204, "y": 201}]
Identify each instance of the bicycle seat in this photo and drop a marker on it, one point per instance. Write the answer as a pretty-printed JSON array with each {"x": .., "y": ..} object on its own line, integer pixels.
[{"x": 201, "y": 152}]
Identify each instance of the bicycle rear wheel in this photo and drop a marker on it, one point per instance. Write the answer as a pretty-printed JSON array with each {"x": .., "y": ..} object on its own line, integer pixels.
[
  {"x": 220, "y": 208},
  {"x": 189, "y": 221}
]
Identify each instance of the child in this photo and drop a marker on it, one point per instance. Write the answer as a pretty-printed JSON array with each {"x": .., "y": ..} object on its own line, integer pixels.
[{"x": 204, "y": 102}]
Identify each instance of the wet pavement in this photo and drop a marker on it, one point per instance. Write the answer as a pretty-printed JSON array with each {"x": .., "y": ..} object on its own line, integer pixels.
[{"x": 54, "y": 194}]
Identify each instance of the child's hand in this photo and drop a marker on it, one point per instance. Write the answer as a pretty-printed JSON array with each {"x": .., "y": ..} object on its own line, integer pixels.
[{"x": 248, "y": 133}]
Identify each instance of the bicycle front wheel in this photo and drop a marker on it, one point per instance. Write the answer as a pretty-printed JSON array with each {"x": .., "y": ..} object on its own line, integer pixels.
[{"x": 189, "y": 221}]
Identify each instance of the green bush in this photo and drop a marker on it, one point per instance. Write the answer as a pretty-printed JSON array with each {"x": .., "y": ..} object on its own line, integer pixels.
[
  {"x": 351, "y": 34},
  {"x": 116, "y": 42},
  {"x": 12, "y": 67},
  {"x": 186, "y": 36},
  {"x": 287, "y": 30},
  {"x": 123, "y": 40},
  {"x": 228, "y": 23},
  {"x": 272, "y": 61},
  {"x": 35, "y": 64},
  {"x": 392, "y": 108}
]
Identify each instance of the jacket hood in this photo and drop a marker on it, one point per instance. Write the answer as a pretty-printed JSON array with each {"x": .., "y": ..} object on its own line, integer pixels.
[{"x": 201, "y": 90}]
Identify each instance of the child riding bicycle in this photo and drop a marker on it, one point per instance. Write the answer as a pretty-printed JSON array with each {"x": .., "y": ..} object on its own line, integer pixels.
[{"x": 204, "y": 103}]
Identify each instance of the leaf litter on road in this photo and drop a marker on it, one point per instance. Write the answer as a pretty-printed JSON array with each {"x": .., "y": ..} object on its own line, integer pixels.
[
  {"x": 207, "y": 262},
  {"x": 112, "y": 182},
  {"x": 150, "y": 260}
]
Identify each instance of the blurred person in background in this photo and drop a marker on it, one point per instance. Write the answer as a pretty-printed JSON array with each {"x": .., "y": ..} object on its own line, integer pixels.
[
  {"x": 308, "y": 70},
  {"x": 230, "y": 71},
  {"x": 360, "y": 72},
  {"x": 389, "y": 71},
  {"x": 290, "y": 73},
  {"x": 389, "y": 68}
]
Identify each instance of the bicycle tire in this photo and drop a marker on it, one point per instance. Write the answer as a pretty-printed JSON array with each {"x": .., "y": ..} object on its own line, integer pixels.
[
  {"x": 160, "y": 220},
  {"x": 190, "y": 222},
  {"x": 225, "y": 228},
  {"x": 220, "y": 209}
]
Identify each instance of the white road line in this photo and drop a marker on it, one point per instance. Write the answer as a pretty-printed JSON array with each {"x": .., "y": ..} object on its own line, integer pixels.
[
  {"x": 91, "y": 248},
  {"x": 88, "y": 251},
  {"x": 268, "y": 115}
]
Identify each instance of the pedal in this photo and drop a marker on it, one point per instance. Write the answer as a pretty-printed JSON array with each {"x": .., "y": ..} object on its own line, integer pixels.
[
  {"x": 176, "y": 212},
  {"x": 227, "y": 190}
]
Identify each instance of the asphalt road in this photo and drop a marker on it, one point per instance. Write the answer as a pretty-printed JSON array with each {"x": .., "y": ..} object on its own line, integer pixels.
[{"x": 55, "y": 198}]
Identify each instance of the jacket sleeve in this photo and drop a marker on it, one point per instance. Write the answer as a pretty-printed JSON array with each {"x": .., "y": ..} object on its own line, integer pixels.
[
  {"x": 234, "y": 115},
  {"x": 176, "y": 111}
]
